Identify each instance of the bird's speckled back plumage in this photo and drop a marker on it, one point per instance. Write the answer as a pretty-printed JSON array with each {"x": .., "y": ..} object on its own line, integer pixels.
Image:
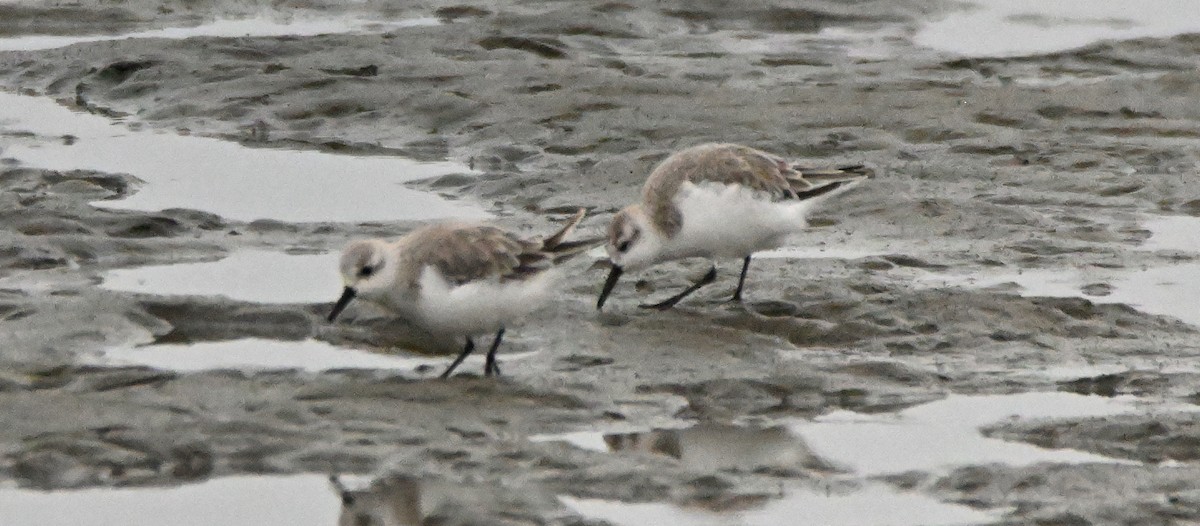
[
  {"x": 734, "y": 164},
  {"x": 469, "y": 252}
]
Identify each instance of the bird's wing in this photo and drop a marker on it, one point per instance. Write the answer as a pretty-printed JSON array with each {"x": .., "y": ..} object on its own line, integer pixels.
[
  {"x": 464, "y": 253},
  {"x": 812, "y": 183},
  {"x": 720, "y": 163}
]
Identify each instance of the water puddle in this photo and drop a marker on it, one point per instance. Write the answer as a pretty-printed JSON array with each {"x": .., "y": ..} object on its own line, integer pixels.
[
  {"x": 706, "y": 446},
  {"x": 281, "y": 500},
  {"x": 945, "y": 434},
  {"x": 223, "y": 177},
  {"x": 254, "y": 354},
  {"x": 933, "y": 438},
  {"x": 712, "y": 447},
  {"x": 413, "y": 501},
  {"x": 999, "y": 28},
  {"x": 1169, "y": 290},
  {"x": 300, "y": 500},
  {"x": 1054, "y": 283},
  {"x": 874, "y": 504},
  {"x": 1179, "y": 233},
  {"x": 929, "y": 437},
  {"x": 1166, "y": 290},
  {"x": 250, "y": 27},
  {"x": 249, "y": 275}
]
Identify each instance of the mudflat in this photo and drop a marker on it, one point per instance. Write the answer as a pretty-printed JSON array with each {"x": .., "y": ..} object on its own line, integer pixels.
[{"x": 1029, "y": 232}]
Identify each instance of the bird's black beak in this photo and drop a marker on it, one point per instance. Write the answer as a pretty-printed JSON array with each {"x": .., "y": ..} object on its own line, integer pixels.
[
  {"x": 347, "y": 295},
  {"x": 613, "y": 276}
]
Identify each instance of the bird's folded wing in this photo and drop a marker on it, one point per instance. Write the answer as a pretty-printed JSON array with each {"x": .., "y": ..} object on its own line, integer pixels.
[{"x": 473, "y": 253}]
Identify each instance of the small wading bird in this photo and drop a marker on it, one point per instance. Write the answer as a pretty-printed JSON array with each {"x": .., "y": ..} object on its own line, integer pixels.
[
  {"x": 717, "y": 201},
  {"x": 458, "y": 279}
]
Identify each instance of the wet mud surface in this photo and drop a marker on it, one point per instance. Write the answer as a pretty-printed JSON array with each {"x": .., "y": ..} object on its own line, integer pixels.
[{"x": 988, "y": 167}]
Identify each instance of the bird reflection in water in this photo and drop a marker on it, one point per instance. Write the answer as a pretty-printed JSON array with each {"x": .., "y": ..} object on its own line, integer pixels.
[
  {"x": 714, "y": 447},
  {"x": 409, "y": 501}
]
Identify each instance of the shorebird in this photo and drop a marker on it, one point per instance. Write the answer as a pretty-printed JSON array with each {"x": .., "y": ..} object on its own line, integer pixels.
[
  {"x": 717, "y": 201},
  {"x": 458, "y": 279}
]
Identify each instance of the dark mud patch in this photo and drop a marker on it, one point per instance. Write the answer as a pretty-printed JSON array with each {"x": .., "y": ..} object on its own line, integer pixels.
[
  {"x": 545, "y": 48},
  {"x": 1138, "y": 383},
  {"x": 914, "y": 322},
  {"x": 1146, "y": 438},
  {"x": 52, "y": 203},
  {"x": 16, "y": 20},
  {"x": 1078, "y": 494},
  {"x": 120, "y": 71},
  {"x": 451, "y": 13},
  {"x": 29, "y": 183},
  {"x": 712, "y": 16},
  {"x": 203, "y": 319},
  {"x": 198, "y": 320},
  {"x": 279, "y": 428}
]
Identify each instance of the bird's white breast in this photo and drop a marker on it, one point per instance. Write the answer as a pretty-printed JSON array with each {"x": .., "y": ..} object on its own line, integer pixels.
[
  {"x": 731, "y": 221},
  {"x": 480, "y": 306}
]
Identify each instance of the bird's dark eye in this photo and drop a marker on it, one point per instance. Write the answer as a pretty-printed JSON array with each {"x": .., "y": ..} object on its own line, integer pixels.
[
  {"x": 366, "y": 271},
  {"x": 623, "y": 246}
]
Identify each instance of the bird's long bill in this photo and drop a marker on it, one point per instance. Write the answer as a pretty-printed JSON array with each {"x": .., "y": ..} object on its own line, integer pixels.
[
  {"x": 613, "y": 276},
  {"x": 347, "y": 295}
]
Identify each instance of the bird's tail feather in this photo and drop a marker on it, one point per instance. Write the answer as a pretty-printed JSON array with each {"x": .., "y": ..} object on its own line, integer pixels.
[
  {"x": 811, "y": 184},
  {"x": 563, "y": 250},
  {"x": 557, "y": 238}
]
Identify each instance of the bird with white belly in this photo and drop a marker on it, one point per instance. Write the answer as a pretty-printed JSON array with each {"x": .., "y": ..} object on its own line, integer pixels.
[
  {"x": 459, "y": 280},
  {"x": 718, "y": 201}
]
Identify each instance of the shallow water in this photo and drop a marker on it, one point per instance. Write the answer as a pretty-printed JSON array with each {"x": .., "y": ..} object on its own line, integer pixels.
[
  {"x": 933, "y": 437},
  {"x": 998, "y": 28},
  {"x": 266, "y": 500},
  {"x": 873, "y": 504},
  {"x": 299, "y": 500},
  {"x": 945, "y": 434},
  {"x": 254, "y": 354},
  {"x": 1178, "y": 233},
  {"x": 1168, "y": 289},
  {"x": 223, "y": 177},
  {"x": 707, "y": 446},
  {"x": 262, "y": 26},
  {"x": 249, "y": 275},
  {"x": 929, "y": 437}
]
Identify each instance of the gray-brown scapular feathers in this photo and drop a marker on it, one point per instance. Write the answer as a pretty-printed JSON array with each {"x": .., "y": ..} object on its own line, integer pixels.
[{"x": 465, "y": 253}]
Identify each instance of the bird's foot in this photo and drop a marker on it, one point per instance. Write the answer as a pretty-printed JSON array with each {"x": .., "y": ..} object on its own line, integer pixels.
[{"x": 492, "y": 369}]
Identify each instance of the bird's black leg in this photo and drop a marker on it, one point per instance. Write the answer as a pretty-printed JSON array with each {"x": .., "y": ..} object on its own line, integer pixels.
[
  {"x": 737, "y": 294},
  {"x": 466, "y": 351},
  {"x": 491, "y": 367},
  {"x": 710, "y": 277}
]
